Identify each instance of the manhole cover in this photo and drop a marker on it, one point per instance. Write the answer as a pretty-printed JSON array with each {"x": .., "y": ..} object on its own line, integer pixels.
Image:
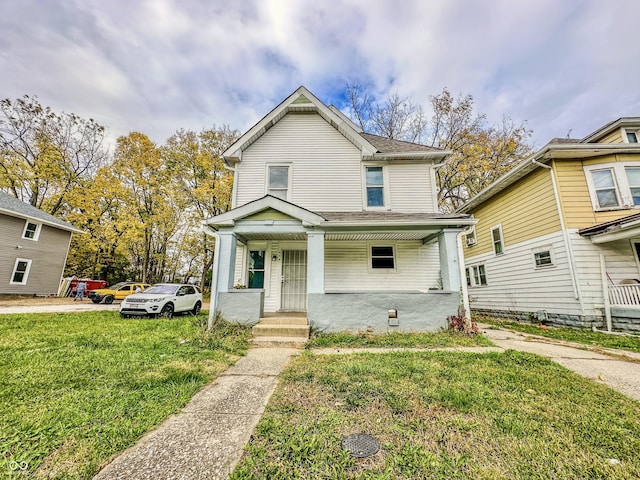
[{"x": 361, "y": 445}]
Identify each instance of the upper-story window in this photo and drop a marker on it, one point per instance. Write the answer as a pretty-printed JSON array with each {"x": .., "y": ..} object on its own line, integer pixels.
[
  {"x": 632, "y": 136},
  {"x": 498, "y": 242},
  {"x": 375, "y": 186},
  {"x": 278, "y": 181},
  {"x": 614, "y": 186},
  {"x": 31, "y": 230},
  {"x": 605, "y": 188}
]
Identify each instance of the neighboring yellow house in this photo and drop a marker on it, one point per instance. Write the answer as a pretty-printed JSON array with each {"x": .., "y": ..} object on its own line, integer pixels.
[{"x": 558, "y": 236}]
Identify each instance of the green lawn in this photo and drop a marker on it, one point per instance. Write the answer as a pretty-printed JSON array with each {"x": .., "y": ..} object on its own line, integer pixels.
[
  {"x": 405, "y": 340},
  {"x": 585, "y": 336},
  {"x": 76, "y": 389},
  {"x": 443, "y": 415}
]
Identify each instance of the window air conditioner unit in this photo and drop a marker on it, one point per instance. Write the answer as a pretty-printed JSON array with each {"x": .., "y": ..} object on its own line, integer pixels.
[{"x": 471, "y": 242}]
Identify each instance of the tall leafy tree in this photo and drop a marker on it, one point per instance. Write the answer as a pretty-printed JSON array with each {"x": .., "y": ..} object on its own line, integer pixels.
[
  {"x": 481, "y": 152},
  {"x": 45, "y": 154},
  {"x": 202, "y": 190}
]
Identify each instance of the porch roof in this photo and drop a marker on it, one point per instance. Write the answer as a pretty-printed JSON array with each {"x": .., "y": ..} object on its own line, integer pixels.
[{"x": 620, "y": 229}]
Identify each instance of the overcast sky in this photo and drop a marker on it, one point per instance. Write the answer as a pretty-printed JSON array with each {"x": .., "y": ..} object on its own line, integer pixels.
[{"x": 159, "y": 65}]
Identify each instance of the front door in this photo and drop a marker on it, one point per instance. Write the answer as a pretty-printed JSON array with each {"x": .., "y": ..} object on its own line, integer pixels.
[{"x": 293, "y": 292}]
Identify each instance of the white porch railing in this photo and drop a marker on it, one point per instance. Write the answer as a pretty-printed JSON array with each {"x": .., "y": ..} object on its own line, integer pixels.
[{"x": 624, "y": 294}]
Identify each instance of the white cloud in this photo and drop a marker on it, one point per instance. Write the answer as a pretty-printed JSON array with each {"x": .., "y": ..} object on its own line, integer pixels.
[{"x": 159, "y": 65}]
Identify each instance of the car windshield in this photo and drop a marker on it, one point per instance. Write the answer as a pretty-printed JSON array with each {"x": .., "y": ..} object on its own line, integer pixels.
[
  {"x": 118, "y": 286},
  {"x": 162, "y": 289}
]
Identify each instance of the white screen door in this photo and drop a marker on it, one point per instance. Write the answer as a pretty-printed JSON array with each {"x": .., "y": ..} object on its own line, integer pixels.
[{"x": 294, "y": 281}]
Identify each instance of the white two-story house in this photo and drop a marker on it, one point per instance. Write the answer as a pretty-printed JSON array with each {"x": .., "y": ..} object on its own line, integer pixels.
[{"x": 336, "y": 224}]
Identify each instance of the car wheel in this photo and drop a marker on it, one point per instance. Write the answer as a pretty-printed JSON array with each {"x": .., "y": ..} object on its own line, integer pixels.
[
  {"x": 96, "y": 300},
  {"x": 167, "y": 311},
  {"x": 196, "y": 308},
  {"x": 108, "y": 299}
]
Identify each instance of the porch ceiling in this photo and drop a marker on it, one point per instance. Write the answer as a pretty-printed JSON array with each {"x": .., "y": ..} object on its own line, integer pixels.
[{"x": 342, "y": 236}]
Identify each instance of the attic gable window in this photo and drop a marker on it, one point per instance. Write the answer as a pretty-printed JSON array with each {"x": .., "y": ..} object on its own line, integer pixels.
[
  {"x": 31, "y": 231},
  {"x": 278, "y": 181},
  {"x": 375, "y": 186},
  {"x": 632, "y": 136}
]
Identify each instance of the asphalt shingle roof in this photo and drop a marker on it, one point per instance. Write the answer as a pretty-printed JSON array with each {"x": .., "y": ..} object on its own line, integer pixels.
[
  {"x": 21, "y": 209},
  {"x": 389, "y": 145}
]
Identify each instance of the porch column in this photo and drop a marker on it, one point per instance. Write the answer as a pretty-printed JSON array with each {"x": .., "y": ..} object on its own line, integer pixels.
[
  {"x": 449, "y": 261},
  {"x": 315, "y": 262},
  {"x": 227, "y": 259}
]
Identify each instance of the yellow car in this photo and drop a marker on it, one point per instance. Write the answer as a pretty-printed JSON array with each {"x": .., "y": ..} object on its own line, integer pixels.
[{"x": 116, "y": 292}]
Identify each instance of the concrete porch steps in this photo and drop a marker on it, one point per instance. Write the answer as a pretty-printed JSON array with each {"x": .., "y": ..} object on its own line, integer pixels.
[{"x": 281, "y": 331}]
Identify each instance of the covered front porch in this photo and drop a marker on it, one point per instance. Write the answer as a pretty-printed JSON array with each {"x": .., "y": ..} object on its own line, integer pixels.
[
  {"x": 618, "y": 244},
  {"x": 374, "y": 271}
]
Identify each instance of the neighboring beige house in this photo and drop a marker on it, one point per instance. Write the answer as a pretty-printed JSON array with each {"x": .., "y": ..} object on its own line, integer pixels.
[
  {"x": 337, "y": 225},
  {"x": 33, "y": 248},
  {"x": 559, "y": 235}
]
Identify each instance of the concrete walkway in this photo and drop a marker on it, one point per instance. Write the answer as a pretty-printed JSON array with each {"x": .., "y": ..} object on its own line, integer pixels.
[
  {"x": 618, "y": 369},
  {"x": 205, "y": 440}
]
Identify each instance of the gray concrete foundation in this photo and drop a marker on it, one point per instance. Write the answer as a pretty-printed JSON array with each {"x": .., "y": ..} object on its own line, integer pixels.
[
  {"x": 359, "y": 312},
  {"x": 243, "y": 306}
]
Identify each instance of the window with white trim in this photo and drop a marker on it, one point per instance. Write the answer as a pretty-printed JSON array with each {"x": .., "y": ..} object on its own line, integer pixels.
[
  {"x": 632, "y": 136},
  {"x": 278, "y": 181},
  {"x": 614, "y": 186},
  {"x": 256, "y": 268},
  {"x": 543, "y": 257},
  {"x": 374, "y": 180},
  {"x": 605, "y": 187},
  {"x": 382, "y": 257},
  {"x": 21, "y": 271},
  {"x": 497, "y": 240},
  {"x": 31, "y": 230},
  {"x": 476, "y": 275}
]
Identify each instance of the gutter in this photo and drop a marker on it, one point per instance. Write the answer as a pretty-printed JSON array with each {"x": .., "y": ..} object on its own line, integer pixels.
[{"x": 565, "y": 235}]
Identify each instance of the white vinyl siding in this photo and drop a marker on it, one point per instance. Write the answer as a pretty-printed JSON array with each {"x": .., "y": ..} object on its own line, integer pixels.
[
  {"x": 620, "y": 265},
  {"x": 410, "y": 188},
  {"x": 514, "y": 284},
  {"x": 347, "y": 267},
  {"x": 327, "y": 167}
]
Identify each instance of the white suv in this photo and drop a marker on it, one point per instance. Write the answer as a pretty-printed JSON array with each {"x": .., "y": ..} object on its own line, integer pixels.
[{"x": 162, "y": 300}]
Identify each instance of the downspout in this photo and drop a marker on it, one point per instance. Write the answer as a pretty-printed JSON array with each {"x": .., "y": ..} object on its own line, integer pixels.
[
  {"x": 565, "y": 236},
  {"x": 463, "y": 274},
  {"x": 213, "y": 302}
]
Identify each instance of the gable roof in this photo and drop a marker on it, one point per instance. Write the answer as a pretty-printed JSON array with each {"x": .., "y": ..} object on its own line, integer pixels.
[
  {"x": 268, "y": 201},
  {"x": 372, "y": 147},
  {"x": 554, "y": 150},
  {"x": 17, "y": 208},
  {"x": 610, "y": 127}
]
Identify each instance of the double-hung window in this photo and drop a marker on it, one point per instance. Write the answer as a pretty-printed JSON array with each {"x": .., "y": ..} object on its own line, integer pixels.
[
  {"x": 21, "y": 271},
  {"x": 256, "y": 268},
  {"x": 31, "y": 230},
  {"x": 278, "y": 181},
  {"x": 633, "y": 177},
  {"x": 605, "y": 187},
  {"x": 632, "y": 136},
  {"x": 375, "y": 186},
  {"x": 614, "y": 185},
  {"x": 496, "y": 239},
  {"x": 476, "y": 275}
]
